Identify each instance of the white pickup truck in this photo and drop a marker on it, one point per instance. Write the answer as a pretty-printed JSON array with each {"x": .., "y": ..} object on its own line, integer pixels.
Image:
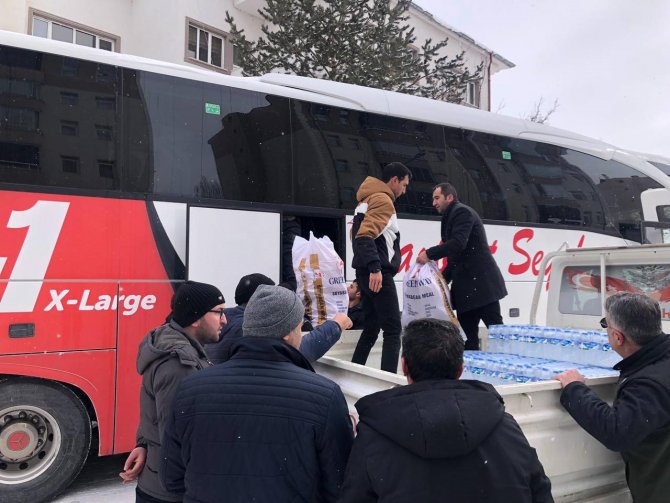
[{"x": 580, "y": 468}]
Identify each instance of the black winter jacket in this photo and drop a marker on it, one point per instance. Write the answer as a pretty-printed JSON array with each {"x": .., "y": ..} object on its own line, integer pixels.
[
  {"x": 440, "y": 441},
  {"x": 474, "y": 275},
  {"x": 638, "y": 422},
  {"x": 260, "y": 427},
  {"x": 166, "y": 355}
]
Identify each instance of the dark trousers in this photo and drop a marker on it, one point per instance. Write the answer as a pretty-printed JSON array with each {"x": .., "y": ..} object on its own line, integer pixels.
[
  {"x": 381, "y": 311},
  {"x": 142, "y": 497},
  {"x": 469, "y": 320}
]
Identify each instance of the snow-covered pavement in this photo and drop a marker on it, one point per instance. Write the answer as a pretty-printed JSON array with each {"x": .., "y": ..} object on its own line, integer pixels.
[{"x": 99, "y": 482}]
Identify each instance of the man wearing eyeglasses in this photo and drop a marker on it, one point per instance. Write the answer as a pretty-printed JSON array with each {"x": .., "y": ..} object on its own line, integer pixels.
[
  {"x": 638, "y": 423},
  {"x": 166, "y": 355}
]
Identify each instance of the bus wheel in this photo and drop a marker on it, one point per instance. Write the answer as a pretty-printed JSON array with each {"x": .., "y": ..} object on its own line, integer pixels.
[{"x": 45, "y": 436}]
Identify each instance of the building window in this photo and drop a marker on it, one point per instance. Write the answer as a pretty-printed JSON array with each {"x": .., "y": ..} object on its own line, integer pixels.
[
  {"x": 46, "y": 26},
  {"x": 102, "y": 103},
  {"x": 344, "y": 117},
  {"x": 105, "y": 73},
  {"x": 104, "y": 133},
  {"x": 69, "y": 128},
  {"x": 206, "y": 46},
  {"x": 69, "y": 99},
  {"x": 106, "y": 169},
  {"x": 20, "y": 119},
  {"x": 333, "y": 140},
  {"x": 237, "y": 56},
  {"x": 472, "y": 93},
  {"x": 321, "y": 112},
  {"x": 70, "y": 164},
  {"x": 18, "y": 87},
  {"x": 70, "y": 67}
]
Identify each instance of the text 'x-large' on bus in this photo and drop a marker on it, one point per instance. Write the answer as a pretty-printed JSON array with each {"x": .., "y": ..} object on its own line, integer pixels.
[{"x": 121, "y": 177}]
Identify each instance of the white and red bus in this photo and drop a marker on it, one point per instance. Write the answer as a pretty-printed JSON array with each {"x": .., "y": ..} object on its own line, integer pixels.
[{"x": 121, "y": 177}]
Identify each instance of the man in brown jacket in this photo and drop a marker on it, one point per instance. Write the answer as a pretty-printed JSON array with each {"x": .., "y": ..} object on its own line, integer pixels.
[
  {"x": 376, "y": 245},
  {"x": 167, "y": 355}
]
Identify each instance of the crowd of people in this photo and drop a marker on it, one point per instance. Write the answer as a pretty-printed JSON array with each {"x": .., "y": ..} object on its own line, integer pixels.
[{"x": 232, "y": 410}]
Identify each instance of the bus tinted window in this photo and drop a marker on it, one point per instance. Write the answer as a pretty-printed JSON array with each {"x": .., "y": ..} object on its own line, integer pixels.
[
  {"x": 208, "y": 141},
  {"x": 51, "y": 141},
  {"x": 662, "y": 166},
  {"x": 419, "y": 146},
  {"x": 540, "y": 186},
  {"x": 620, "y": 187},
  {"x": 478, "y": 180},
  {"x": 331, "y": 155}
]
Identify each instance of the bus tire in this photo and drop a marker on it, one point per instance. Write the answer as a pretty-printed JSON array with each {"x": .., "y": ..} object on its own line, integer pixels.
[{"x": 45, "y": 437}]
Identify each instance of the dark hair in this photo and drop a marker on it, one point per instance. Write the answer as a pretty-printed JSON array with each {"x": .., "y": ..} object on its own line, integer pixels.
[
  {"x": 636, "y": 315},
  {"x": 355, "y": 282},
  {"x": 446, "y": 189},
  {"x": 248, "y": 285},
  {"x": 395, "y": 169},
  {"x": 432, "y": 349}
]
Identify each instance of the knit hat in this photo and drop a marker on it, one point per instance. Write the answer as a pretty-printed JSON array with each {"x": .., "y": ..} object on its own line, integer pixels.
[
  {"x": 273, "y": 311},
  {"x": 247, "y": 286},
  {"x": 192, "y": 301}
]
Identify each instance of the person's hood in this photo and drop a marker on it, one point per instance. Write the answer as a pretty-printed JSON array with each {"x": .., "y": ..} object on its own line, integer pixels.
[
  {"x": 372, "y": 185},
  {"x": 434, "y": 419},
  {"x": 166, "y": 340}
]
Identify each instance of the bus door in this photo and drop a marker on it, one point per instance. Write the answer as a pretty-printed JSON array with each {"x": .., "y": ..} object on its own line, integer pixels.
[{"x": 224, "y": 244}]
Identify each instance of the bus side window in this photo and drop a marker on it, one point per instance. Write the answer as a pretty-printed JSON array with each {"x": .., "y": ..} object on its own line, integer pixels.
[
  {"x": 54, "y": 131},
  {"x": 619, "y": 187}
]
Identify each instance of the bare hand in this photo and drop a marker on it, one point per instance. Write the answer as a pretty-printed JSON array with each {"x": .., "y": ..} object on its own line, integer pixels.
[
  {"x": 354, "y": 423},
  {"x": 134, "y": 464},
  {"x": 343, "y": 321},
  {"x": 422, "y": 258},
  {"x": 569, "y": 376},
  {"x": 375, "y": 281}
]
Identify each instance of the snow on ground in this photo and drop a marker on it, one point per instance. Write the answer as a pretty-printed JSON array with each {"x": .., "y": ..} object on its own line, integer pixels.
[{"x": 99, "y": 482}]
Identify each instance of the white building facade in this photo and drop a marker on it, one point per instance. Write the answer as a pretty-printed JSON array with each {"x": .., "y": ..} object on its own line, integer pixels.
[{"x": 195, "y": 32}]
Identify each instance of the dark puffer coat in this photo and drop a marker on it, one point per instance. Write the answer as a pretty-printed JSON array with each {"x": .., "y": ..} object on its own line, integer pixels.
[
  {"x": 165, "y": 357},
  {"x": 440, "y": 441},
  {"x": 260, "y": 427}
]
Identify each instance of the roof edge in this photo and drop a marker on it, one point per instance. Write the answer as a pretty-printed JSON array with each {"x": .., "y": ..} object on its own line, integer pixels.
[{"x": 464, "y": 36}]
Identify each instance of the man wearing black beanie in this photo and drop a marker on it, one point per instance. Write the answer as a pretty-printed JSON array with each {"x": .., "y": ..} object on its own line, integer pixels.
[
  {"x": 166, "y": 355},
  {"x": 262, "y": 426}
]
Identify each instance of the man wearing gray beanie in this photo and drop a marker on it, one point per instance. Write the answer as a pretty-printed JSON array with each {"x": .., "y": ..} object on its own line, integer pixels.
[
  {"x": 262, "y": 426},
  {"x": 166, "y": 355},
  {"x": 313, "y": 344}
]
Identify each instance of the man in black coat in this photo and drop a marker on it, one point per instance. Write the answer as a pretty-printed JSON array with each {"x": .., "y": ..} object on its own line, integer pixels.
[
  {"x": 262, "y": 426},
  {"x": 638, "y": 423},
  {"x": 440, "y": 439},
  {"x": 477, "y": 285}
]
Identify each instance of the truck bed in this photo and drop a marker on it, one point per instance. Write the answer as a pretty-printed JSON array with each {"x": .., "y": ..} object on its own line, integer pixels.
[{"x": 580, "y": 468}]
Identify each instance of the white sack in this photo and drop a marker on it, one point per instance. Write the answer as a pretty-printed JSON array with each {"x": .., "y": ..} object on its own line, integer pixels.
[
  {"x": 319, "y": 273},
  {"x": 426, "y": 295}
]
